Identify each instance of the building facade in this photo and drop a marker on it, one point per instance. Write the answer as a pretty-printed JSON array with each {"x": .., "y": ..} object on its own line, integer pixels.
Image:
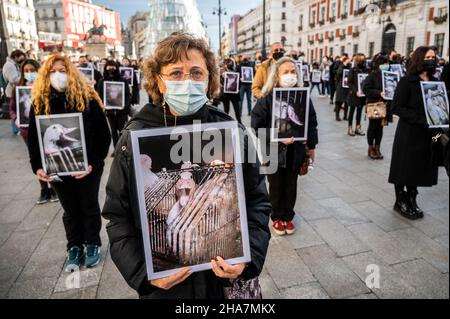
[
  {"x": 18, "y": 26},
  {"x": 334, "y": 27},
  {"x": 136, "y": 30}
]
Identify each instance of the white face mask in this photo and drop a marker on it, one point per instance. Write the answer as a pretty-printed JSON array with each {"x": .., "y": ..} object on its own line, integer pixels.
[
  {"x": 59, "y": 81},
  {"x": 288, "y": 80}
]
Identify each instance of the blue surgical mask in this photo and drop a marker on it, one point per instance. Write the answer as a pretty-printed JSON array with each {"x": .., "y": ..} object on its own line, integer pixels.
[
  {"x": 30, "y": 76},
  {"x": 186, "y": 97},
  {"x": 385, "y": 67}
]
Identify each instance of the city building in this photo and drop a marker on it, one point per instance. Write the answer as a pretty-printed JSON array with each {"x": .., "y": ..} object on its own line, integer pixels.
[
  {"x": 63, "y": 25},
  {"x": 334, "y": 27},
  {"x": 168, "y": 16},
  {"x": 136, "y": 30},
  {"x": 17, "y": 27}
]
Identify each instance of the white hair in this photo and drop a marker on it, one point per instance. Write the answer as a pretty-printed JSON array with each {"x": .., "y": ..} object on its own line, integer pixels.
[{"x": 273, "y": 79}]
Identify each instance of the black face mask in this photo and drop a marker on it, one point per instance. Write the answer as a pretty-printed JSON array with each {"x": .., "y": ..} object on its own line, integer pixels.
[
  {"x": 429, "y": 66},
  {"x": 295, "y": 57},
  {"x": 84, "y": 65},
  {"x": 277, "y": 55},
  {"x": 230, "y": 66}
]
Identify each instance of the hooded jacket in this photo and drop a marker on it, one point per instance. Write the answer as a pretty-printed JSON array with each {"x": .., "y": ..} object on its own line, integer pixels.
[{"x": 124, "y": 227}]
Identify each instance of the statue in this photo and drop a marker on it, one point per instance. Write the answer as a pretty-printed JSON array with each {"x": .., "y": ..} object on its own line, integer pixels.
[{"x": 95, "y": 31}]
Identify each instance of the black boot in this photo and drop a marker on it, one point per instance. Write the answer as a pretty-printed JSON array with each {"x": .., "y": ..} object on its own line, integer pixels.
[
  {"x": 403, "y": 207},
  {"x": 337, "y": 110},
  {"x": 412, "y": 196}
]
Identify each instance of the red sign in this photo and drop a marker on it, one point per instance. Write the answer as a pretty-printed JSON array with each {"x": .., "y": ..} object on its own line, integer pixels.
[{"x": 79, "y": 17}]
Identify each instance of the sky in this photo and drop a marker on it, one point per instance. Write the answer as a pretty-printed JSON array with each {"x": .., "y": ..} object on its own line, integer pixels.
[{"x": 127, "y": 8}]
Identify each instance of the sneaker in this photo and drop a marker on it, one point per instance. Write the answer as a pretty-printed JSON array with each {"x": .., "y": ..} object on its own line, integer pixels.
[
  {"x": 92, "y": 256},
  {"x": 53, "y": 196},
  {"x": 290, "y": 227},
  {"x": 44, "y": 197},
  {"x": 74, "y": 259},
  {"x": 279, "y": 228}
]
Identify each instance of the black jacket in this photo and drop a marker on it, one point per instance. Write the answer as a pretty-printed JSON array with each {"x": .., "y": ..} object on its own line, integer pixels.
[
  {"x": 353, "y": 99},
  {"x": 96, "y": 132},
  {"x": 127, "y": 108},
  {"x": 333, "y": 73},
  {"x": 412, "y": 161},
  {"x": 124, "y": 227},
  {"x": 262, "y": 118},
  {"x": 341, "y": 92}
]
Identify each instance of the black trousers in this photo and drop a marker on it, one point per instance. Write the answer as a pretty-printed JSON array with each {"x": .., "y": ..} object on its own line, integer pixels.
[
  {"x": 359, "y": 110},
  {"x": 81, "y": 218},
  {"x": 283, "y": 193},
  {"x": 116, "y": 122},
  {"x": 375, "y": 132},
  {"x": 332, "y": 91},
  {"x": 234, "y": 99}
]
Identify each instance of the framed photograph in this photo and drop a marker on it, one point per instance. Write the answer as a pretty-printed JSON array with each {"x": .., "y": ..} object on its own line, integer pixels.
[
  {"x": 247, "y": 74},
  {"x": 316, "y": 76},
  {"x": 435, "y": 101},
  {"x": 438, "y": 74},
  {"x": 361, "y": 78},
  {"x": 114, "y": 95},
  {"x": 231, "y": 82},
  {"x": 390, "y": 80},
  {"x": 398, "y": 68},
  {"x": 305, "y": 73},
  {"x": 299, "y": 67},
  {"x": 88, "y": 73},
  {"x": 138, "y": 76},
  {"x": 290, "y": 113},
  {"x": 101, "y": 68},
  {"x": 192, "y": 204},
  {"x": 127, "y": 74},
  {"x": 62, "y": 144},
  {"x": 369, "y": 64},
  {"x": 23, "y": 105},
  {"x": 345, "y": 78}
]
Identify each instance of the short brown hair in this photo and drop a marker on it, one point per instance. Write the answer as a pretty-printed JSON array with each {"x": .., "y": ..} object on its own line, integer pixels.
[{"x": 170, "y": 50}]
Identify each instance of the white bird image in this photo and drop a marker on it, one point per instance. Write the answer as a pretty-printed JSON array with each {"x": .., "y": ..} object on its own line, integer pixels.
[
  {"x": 149, "y": 178},
  {"x": 56, "y": 138}
]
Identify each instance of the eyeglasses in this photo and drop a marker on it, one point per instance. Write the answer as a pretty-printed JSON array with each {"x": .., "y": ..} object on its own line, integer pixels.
[{"x": 196, "y": 75}]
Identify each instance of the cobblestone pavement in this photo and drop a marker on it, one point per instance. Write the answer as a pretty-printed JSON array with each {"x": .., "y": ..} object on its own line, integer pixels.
[{"x": 344, "y": 217}]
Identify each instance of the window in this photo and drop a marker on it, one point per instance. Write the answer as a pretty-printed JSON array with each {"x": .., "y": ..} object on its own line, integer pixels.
[
  {"x": 359, "y": 4},
  {"x": 314, "y": 13},
  {"x": 322, "y": 14},
  {"x": 283, "y": 4},
  {"x": 342, "y": 50},
  {"x": 301, "y": 23},
  {"x": 283, "y": 15},
  {"x": 56, "y": 26},
  {"x": 355, "y": 49},
  {"x": 409, "y": 45},
  {"x": 345, "y": 7},
  {"x": 320, "y": 54},
  {"x": 331, "y": 51},
  {"x": 55, "y": 14},
  {"x": 442, "y": 11},
  {"x": 439, "y": 43},
  {"x": 333, "y": 10},
  {"x": 371, "y": 49},
  {"x": 283, "y": 28},
  {"x": 311, "y": 57}
]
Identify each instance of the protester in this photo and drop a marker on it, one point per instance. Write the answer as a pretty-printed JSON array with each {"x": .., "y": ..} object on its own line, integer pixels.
[
  {"x": 341, "y": 92},
  {"x": 58, "y": 89},
  {"x": 373, "y": 89},
  {"x": 415, "y": 159},
  {"x": 276, "y": 52},
  {"x": 283, "y": 183},
  {"x": 178, "y": 58},
  {"x": 355, "y": 100},
  {"x": 245, "y": 89},
  {"x": 227, "y": 98},
  {"x": 135, "y": 87},
  {"x": 84, "y": 62},
  {"x": 325, "y": 69},
  {"x": 333, "y": 77}
]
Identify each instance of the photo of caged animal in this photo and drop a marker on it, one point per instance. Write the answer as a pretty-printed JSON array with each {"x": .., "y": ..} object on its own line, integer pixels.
[
  {"x": 62, "y": 144},
  {"x": 192, "y": 210}
]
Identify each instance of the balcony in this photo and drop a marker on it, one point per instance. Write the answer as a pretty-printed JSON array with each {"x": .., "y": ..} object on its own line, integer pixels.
[
  {"x": 311, "y": 42},
  {"x": 332, "y": 19},
  {"x": 344, "y": 16},
  {"x": 441, "y": 19},
  {"x": 312, "y": 24},
  {"x": 300, "y": 28},
  {"x": 320, "y": 39},
  {"x": 342, "y": 36},
  {"x": 331, "y": 38},
  {"x": 355, "y": 34},
  {"x": 321, "y": 22}
]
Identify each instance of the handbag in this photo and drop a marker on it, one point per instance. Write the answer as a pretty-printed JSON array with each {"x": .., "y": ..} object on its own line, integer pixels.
[
  {"x": 243, "y": 289},
  {"x": 305, "y": 166},
  {"x": 376, "y": 111}
]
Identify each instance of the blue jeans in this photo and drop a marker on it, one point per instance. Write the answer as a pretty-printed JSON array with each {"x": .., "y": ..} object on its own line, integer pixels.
[
  {"x": 326, "y": 88},
  {"x": 246, "y": 88}
]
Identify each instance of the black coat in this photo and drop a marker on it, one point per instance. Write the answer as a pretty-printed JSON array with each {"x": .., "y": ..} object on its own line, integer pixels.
[
  {"x": 127, "y": 108},
  {"x": 372, "y": 88},
  {"x": 341, "y": 92},
  {"x": 412, "y": 161},
  {"x": 124, "y": 227},
  {"x": 353, "y": 99},
  {"x": 96, "y": 132},
  {"x": 262, "y": 118}
]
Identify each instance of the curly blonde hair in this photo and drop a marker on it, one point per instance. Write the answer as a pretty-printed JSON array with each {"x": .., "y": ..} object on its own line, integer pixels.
[
  {"x": 170, "y": 50},
  {"x": 78, "y": 93}
]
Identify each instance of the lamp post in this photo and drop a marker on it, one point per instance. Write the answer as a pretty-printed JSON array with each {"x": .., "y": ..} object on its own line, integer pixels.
[
  {"x": 263, "y": 51},
  {"x": 219, "y": 11}
]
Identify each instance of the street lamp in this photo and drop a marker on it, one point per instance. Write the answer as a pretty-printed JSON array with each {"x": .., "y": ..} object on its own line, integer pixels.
[
  {"x": 263, "y": 52},
  {"x": 219, "y": 12}
]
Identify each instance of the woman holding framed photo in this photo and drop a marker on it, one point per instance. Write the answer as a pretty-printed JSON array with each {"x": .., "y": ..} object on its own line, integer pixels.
[{"x": 61, "y": 89}]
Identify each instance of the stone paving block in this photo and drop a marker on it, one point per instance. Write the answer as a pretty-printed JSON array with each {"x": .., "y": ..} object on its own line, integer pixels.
[
  {"x": 441, "y": 214},
  {"x": 442, "y": 240},
  {"x": 378, "y": 195},
  {"x": 386, "y": 219},
  {"x": 16, "y": 210},
  {"x": 318, "y": 191},
  {"x": 39, "y": 288},
  {"x": 305, "y": 236},
  {"x": 5, "y": 231},
  {"x": 382, "y": 243},
  {"x": 56, "y": 227},
  {"x": 429, "y": 281},
  {"x": 309, "y": 209},
  {"x": 430, "y": 200},
  {"x": 268, "y": 288},
  {"x": 40, "y": 216},
  {"x": 364, "y": 296},
  {"x": 321, "y": 176},
  {"x": 340, "y": 240},
  {"x": 423, "y": 247},
  {"x": 342, "y": 211},
  {"x": 392, "y": 286},
  {"x": 19, "y": 248},
  {"x": 4, "y": 200},
  {"x": 12, "y": 189},
  {"x": 284, "y": 266},
  {"x": 346, "y": 176},
  {"x": 346, "y": 193},
  {"x": 305, "y": 291},
  {"x": 85, "y": 293},
  {"x": 430, "y": 226},
  {"x": 111, "y": 284},
  {"x": 30, "y": 192},
  {"x": 7, "y": 278},
  {"x": 331, "y": 272}
]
